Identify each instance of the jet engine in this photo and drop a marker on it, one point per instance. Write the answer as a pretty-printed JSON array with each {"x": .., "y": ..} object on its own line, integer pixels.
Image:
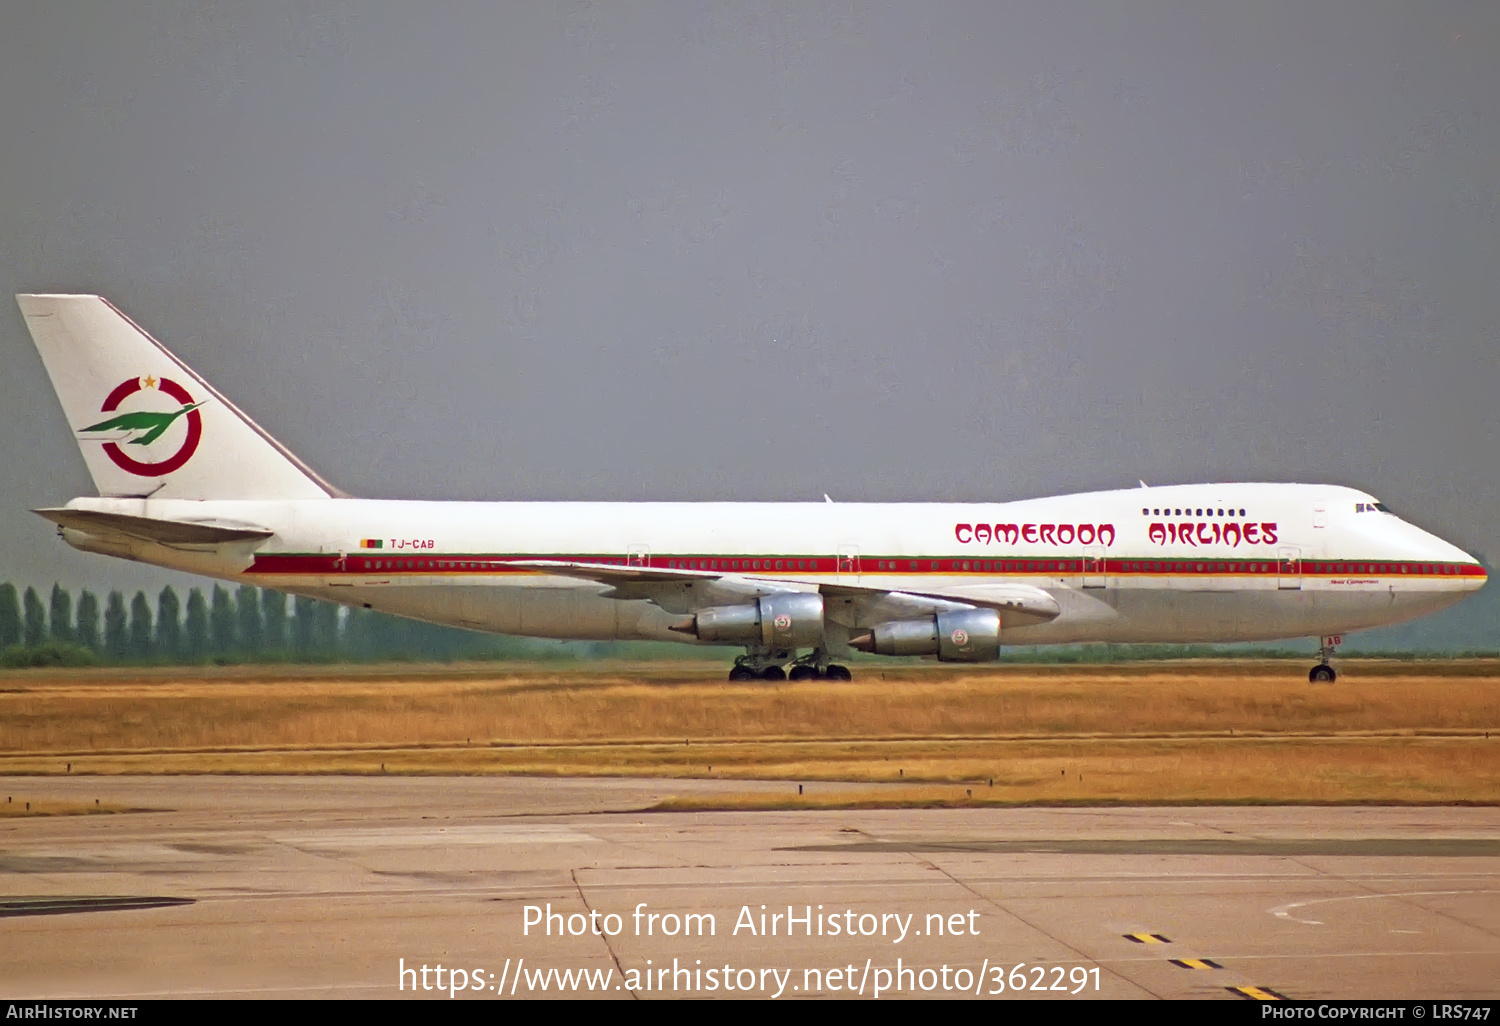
[
  {"x": 964, "y": 636},
  {"x": 786, "y": 621}
]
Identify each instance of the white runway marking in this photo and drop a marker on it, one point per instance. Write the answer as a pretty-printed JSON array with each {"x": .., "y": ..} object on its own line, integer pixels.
[
  {"x": 426, "y": 837},
  {"x": 1285, "y": 911}
]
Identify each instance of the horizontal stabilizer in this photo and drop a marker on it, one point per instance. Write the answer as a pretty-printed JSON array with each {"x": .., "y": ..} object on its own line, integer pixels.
[{"x": 163, "y": 532}]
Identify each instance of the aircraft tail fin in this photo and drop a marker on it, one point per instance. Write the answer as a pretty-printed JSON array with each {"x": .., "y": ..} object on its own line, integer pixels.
[{"x": 147, "y": 424}]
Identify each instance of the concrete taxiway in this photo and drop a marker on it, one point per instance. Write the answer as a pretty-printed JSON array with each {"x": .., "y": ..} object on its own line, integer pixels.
[{"x": 330, "y": 886}]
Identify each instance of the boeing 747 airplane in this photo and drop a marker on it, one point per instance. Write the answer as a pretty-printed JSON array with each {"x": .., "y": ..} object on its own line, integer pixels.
[{"x": 189, "y": 482}]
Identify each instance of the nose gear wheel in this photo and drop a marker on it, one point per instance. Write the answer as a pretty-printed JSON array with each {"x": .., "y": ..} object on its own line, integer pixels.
[{"x": 1324, "y": 673}]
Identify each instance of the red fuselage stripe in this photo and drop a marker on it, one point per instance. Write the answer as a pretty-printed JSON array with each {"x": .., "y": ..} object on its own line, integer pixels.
[{"x": 362, "y": 563}]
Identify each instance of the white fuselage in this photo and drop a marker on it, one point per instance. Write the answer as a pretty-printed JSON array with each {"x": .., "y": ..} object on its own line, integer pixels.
[{"x": 1218, "y": 562}]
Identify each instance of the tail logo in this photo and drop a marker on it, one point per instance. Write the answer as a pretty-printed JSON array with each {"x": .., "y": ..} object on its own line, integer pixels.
[{"x": 144, "y": 423}]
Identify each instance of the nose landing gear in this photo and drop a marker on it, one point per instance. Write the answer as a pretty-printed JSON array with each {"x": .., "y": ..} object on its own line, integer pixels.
[{"x": 1323, "y": 673}]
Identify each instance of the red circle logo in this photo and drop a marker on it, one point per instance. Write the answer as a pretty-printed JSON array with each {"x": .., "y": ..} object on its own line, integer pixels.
[{"x": 189, "y": 412}]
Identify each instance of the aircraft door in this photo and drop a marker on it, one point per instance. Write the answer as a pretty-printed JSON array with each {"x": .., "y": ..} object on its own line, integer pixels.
[
  {"x": 848, "y": 563},
  {"x": 638, "y": 555},
  {"x": 1093, "y": 566},
  {"x": 1289, "y": 569}
]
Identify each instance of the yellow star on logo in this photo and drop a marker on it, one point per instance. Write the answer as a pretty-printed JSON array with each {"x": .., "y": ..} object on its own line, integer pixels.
[{"x": 148, "y": 381}]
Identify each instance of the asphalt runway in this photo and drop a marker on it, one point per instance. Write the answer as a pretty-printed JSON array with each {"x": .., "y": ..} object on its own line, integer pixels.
[{"x": 328, "y": 886}]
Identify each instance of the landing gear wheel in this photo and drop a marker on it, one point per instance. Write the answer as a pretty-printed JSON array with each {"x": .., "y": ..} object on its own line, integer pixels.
[
  {"x": 803, "y": 671},
  {"x": 742, "y": 673},
  {"x": 773, "y": 673},
  {"x": 1323, "y": 673},
  {"x": 837, "y": 672}
]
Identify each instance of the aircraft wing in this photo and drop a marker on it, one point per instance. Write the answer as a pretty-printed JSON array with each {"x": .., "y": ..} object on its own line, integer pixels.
[
  {"x": 674, "y": 589},
  {"x": 164, "y": 532},
  {"x": 614, "y": 574},
  {"x": 1019, "y": 605}
]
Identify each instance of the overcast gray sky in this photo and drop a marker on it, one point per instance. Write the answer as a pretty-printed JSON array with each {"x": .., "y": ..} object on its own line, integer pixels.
[{"x": 761, "y": 251}]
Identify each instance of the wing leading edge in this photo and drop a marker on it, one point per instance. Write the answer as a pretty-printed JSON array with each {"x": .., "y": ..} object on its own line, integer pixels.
[{"x": 1019, "y": 605}]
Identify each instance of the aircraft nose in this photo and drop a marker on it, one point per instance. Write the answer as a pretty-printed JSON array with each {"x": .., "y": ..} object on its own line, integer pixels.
[{"x": 1468, "y": 573}]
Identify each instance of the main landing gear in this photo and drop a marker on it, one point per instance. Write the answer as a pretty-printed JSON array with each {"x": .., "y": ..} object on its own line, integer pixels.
[
  {"x": 767, "y": 665},
  {"x": 1323, "y": 673},
  {"x": 833, "y": 671}
]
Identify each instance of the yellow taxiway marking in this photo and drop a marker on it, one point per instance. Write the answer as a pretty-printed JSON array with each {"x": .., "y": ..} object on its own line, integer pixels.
[
  {"x": 1256, "y": 993},
  {"x": 1147, "y": 938},
  {"x": 1195, "y": 963}
]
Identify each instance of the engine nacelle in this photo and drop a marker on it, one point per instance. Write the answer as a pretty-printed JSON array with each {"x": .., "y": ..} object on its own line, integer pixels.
[
  {"x": 965, "y": 636},
  {"x": 787, "y": 621}
]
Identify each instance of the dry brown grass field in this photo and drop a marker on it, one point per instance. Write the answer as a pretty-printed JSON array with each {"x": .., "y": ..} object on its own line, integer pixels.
[
  {"x": 16, "y": 807},
  {"x": 1241, "y": 731}
]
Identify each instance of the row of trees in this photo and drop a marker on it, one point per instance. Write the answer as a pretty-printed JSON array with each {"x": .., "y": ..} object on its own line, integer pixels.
[{"x": 245, "y": 624}]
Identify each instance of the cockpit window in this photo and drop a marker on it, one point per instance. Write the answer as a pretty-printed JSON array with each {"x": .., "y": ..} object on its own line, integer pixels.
[
  {"x": 1382, "y": 507},
  {"x": 1371, "y": 507}
]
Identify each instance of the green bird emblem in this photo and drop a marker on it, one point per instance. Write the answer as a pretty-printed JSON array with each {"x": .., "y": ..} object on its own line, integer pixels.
[{"x": 152, "y": 424}]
